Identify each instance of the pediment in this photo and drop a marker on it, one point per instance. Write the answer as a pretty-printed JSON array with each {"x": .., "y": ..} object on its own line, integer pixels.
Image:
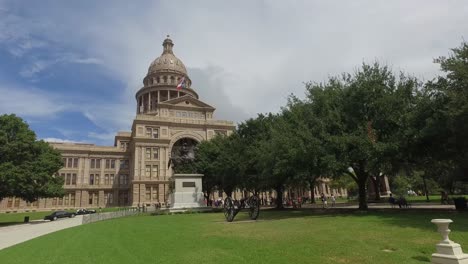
[{"x": 187, "y": 101}]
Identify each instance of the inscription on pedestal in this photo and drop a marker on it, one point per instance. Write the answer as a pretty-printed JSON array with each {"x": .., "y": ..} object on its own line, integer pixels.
[{"x": 188, "y": 184}]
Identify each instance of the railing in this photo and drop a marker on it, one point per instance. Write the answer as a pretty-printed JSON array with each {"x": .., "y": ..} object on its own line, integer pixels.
[{"x": 90, "y": 218}]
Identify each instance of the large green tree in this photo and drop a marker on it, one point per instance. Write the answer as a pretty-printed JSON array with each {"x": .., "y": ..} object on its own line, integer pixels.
[
  {"x": 365, "y": 119},
  {"x": 440, "y": 122},
  {"x": 28, "y": 167}
]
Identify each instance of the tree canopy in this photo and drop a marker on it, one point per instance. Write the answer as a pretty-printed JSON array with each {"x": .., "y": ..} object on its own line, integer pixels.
[
  {"x": 28, "y": 167},
  {"x": 370, "y": 123}
]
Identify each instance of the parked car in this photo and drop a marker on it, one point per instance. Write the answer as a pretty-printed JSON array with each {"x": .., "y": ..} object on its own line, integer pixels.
[
  {"x": 59, "y": 214},
  {"x": 85, "y": 211}
]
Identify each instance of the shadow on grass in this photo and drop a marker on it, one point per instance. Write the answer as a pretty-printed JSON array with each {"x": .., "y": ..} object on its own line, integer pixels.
[
  {"x": 401, "y": 218},
  {"x": 422, "y": 258}
]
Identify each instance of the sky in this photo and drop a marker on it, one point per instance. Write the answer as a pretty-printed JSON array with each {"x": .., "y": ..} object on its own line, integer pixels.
[{"x": 71, "y": 68}]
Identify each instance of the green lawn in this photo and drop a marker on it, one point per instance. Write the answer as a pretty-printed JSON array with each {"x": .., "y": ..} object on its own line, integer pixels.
[{"x": 279, "y": 237}]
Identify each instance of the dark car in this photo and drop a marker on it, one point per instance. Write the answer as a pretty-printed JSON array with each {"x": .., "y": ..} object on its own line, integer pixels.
[
  {"x": 59, "y": 214},
  {"x": 85, "y": 211}
]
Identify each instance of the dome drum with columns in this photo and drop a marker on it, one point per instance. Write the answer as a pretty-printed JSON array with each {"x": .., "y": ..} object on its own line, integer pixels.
[{"x": 160, "y": 84}]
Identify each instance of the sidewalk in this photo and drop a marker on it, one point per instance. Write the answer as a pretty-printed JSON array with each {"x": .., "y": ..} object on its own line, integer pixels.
[{"x": 15, "y": 234}]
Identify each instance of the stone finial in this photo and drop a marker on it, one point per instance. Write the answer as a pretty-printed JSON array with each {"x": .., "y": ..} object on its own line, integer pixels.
[{"x": 448, "y": 252}]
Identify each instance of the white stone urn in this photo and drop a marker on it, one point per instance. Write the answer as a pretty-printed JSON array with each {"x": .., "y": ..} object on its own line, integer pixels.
[
  {"x": 443, "y": 229},
  {"x": 448, "y": 252}
]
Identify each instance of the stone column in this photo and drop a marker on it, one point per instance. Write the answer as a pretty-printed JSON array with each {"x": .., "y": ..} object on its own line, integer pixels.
[
  {"x": 161, "y": 193},
  {"x": 101, "y": 199},
  {"x": 159, "y": 97},
  {"x": 149, "y": 102},
  {"x": 136, "y": 194},
  {"x": 85, "y": 199},
  {"x": 142, "y": 193},
  {"x": 78, "y": 199}
]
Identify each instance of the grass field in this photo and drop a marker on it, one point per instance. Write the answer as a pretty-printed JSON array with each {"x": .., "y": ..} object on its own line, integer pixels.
[{"x": 278, "y": 237}]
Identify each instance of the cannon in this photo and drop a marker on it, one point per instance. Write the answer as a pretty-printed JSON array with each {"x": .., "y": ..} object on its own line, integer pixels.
[{"x": 233, "y": 207}]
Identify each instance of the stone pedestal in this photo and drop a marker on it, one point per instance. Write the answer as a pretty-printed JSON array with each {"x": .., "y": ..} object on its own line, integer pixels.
[
  {"x": 448, "y": 252},
  {"x": 187, "y": 192}
]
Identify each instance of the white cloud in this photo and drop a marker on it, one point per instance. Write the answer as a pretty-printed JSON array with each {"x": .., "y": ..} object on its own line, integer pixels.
[
  {"x": 28, "y": 102},
  {"x": 244, "y": 57},
  {"x": 59, "y": 140}
]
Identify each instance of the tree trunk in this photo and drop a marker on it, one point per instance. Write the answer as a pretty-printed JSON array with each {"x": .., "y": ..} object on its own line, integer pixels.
[
  {"x": 312, "y": 194},
  {"x": 376, "y": 183},
  {"x": 362, "y": 180},
  {"x": 279, "y": 197}
]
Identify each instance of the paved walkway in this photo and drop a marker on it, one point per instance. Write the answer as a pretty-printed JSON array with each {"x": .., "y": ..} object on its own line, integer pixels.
[{"x": 15, "y": 234}]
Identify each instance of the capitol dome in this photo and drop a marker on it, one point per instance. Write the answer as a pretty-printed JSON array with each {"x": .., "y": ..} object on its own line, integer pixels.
[{"x": 167, "y": 62}]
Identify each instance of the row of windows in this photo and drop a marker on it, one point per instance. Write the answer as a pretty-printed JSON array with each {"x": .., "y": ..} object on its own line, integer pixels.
[
  {"x": 109, "y": 179},
  {"x": 68, "y": 199},
  {"x": 190, "y": 114},
  {"x": 152, "y": 153},
  {"x": 70, "y": 162},
  {"x": 93, "y": 198},
  {"x": 69, "y": 178},
  {"x": 109, "y": 164}
]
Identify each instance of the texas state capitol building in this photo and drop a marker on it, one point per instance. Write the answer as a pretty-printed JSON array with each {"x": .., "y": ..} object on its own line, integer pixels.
[{"x": 135, "y": 171}]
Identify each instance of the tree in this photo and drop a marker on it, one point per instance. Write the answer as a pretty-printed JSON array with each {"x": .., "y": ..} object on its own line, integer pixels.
[
  {"x": 440, "y": 123},
  {"x": 364, "y": 116},
  {"x": 28, "y": 167}
]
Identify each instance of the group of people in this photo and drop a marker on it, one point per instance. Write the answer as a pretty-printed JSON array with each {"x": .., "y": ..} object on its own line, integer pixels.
[
  {"x": 324, "y": 200},
  {"x": 401, "y": 201}
]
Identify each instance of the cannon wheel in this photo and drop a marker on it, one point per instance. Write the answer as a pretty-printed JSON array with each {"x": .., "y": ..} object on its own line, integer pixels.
[
  {"x": 229, "y": 209},
  {"x": 254, "y": 207}
]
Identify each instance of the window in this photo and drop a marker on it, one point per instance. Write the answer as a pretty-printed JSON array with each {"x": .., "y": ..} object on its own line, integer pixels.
[
  {"x": 66, "y": 200},
  {"x": 60, "y": 201},
  {"x": 111, "y": 179},
  {"x": 73, "y": 181},
  {"x": 152, "y": 153},
  {"x": 155, "y": 153},
  {"x": 124, "y": 164},
  {"x": 68, "y": 179},
  {"x": 148, "y": 153},
  {"x": 93, "y": 198},
  {"x": 152, "y": 132},
  {"x": 155, "y": 193},
  {"x": 70, "y": 162},
  {"x": 110, "y": 163},
  {"x": 123, "y": 179},
  {"x": 106, "y": 179},
  {"x": 124, "y": 145},
  {"x": 95, "y": 163},
  {"x": 148, "y": 171},
  {"x": 10, "y": 202},
  {"x": 123, "y": 197},
  {"x": 54, "y": 201},
  {"x": 108, "y": 198},
  {"x": 154, "y": 173},
  {"x": 72, "y": 199},
  {"x": 94, "y": 179},
  {"x": 148, "y": 194}
]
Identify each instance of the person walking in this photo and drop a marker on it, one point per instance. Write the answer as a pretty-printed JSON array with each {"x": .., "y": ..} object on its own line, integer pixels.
[{"x": 333, "y": 200}]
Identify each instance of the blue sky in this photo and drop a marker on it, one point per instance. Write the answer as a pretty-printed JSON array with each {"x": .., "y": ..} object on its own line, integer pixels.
[{"x": 71, "y": 69}]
